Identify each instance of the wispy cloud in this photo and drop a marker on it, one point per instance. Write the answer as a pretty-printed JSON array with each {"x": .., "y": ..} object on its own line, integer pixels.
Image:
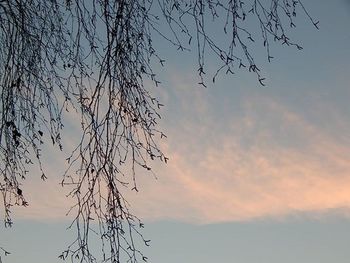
[
  {"x": 270, "y": 162},
  {"x": 263, "y": 160}
]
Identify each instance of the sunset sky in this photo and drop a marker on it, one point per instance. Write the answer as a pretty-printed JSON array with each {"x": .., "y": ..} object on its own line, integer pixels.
[{"x": 256, "y": 174}]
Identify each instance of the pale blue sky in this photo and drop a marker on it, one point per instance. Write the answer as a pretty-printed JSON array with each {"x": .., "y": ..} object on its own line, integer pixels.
[
  {"x": 295, "y": 240},
  {"x": 264, "y": 170}
]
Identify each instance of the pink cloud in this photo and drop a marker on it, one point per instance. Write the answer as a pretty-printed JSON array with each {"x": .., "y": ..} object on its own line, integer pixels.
[
  {"x": 229, "y": 182},
  {"x": 268, "y": 161}
]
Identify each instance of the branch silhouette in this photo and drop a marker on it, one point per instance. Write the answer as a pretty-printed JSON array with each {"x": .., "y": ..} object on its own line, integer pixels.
[{"x": 93, "y": 57}]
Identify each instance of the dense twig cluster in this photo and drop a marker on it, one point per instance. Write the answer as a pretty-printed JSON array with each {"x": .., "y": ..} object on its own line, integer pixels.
[
  {"x": 93, "y": 56},
  {"x": 240, "y": 22}
]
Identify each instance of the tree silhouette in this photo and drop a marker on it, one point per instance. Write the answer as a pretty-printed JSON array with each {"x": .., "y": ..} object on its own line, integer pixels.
[{"x": 93, "y": 57}]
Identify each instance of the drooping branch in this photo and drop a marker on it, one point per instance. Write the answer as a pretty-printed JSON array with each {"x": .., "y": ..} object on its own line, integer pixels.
[{"x": 94, "y": 56}]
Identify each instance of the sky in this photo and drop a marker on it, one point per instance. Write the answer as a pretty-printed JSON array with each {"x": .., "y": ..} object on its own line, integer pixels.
[{"x": 256, "y": 174}]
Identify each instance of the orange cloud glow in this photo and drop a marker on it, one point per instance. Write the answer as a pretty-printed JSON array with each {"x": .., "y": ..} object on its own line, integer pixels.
[{"x": 266, "y": 161}]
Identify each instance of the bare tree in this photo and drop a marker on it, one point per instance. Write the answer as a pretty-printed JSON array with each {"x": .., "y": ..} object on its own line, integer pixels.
[{"x": 93, "y": 56}]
